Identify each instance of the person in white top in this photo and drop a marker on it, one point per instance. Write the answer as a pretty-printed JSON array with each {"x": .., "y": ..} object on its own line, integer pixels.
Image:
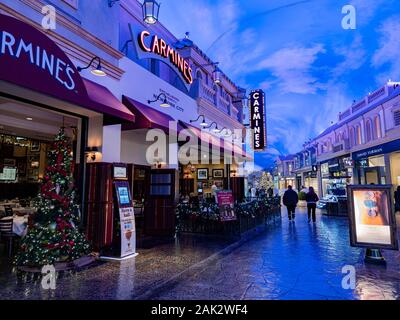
[{"x": 214, "y": 190}]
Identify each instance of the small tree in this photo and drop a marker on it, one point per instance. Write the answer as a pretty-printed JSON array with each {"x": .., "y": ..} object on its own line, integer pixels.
[{"x": 54, "y": 235}]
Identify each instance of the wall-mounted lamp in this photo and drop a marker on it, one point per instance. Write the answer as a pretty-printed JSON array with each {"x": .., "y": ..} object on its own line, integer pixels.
[
  {"x": 164, "y": 102},
  {"x": 98, "y": 71},
  {"x": 203, "y": 123},
  {"x": 228, "y": 132},
  {"x": 215, "y": 130},
  {"x": 217, "y": 75},
  {"x": 91, "y": 152},
  {"x": 151, "y": 9}
]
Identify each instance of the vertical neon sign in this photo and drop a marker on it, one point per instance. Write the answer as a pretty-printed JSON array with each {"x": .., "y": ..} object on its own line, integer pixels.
[{"x": 257, "y": 120}]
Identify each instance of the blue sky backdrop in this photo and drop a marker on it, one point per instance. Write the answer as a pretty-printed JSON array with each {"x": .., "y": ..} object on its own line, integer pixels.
[{"x": 308, "y": 65}]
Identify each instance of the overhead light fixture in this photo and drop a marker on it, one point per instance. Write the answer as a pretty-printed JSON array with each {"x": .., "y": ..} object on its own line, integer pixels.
[
  {"x": 151, "y": 9},
  {"x": 215, "y": 130},
  {"x": 98, "y": 71},
  {"x": 163, "y": 98},
  {"x": 29, "y": 119},
  {"x": 203, "y": 124},
  {"x": 227, "y": 132},
  {"x": 217, "y": 75}
]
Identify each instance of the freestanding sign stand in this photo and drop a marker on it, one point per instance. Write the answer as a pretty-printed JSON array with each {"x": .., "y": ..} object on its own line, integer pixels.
[
  {"x": 124, "y": 230},
  {"x": 372, "y": 220}
]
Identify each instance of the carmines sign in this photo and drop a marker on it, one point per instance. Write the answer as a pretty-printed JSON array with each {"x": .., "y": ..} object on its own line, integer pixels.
[
  {"x": 160, "y": 47},
  {"x": 257, "y": 120},
  {"x": 150, "y": 45},
  {"x": 30, "y": 59}
]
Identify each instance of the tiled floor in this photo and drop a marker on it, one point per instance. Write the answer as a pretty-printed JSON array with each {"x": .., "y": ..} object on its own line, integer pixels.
[
  {"x": 290, "y": 260},
  {"x": 116, "y": 280},
  {"x": 295, "y": 260}
]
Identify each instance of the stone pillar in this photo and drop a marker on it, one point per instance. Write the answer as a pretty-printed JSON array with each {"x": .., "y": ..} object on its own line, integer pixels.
[
  {"x": 388, "y": 169},
  {"x": 112, "y": 143}
]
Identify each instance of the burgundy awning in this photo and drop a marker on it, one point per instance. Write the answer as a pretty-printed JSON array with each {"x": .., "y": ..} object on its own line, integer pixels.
[
  {"x": 146, "y": 117},
  {"x": 202, "y": 135},
  {"x": 103, "y": 101},
  {"x": 215, "y": 141}
]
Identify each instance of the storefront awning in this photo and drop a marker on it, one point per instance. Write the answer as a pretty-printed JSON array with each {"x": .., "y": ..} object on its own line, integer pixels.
[
  {"x": 146, "y": 117},
  {"x": 60, "y": 80},
  {"x": 103, "y": 101},
  {"x": 202, "y": 135},
  {"x": 215, "y": 141}
]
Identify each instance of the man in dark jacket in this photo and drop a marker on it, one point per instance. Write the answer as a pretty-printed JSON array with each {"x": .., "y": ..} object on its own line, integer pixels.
[{"x": 290, "y": 200}]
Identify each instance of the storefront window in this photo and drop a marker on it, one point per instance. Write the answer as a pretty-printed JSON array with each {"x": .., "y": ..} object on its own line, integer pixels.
[
  {"x": 372, "y": 170},
  {"x": 395, "y": 168}
]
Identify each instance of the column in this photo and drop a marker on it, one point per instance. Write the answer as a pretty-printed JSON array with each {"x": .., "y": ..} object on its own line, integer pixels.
[{"x": 112, "y": 143}]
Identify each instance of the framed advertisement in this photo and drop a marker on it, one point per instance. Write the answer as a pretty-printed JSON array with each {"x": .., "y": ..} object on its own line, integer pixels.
[
  {"x": 202, "y": 174},
  {"x": 35, "y": 146},
  {"x": 372, "y": 218},
  {"x": 226, "y": 206},
  {"x": 218, "y": 173}
]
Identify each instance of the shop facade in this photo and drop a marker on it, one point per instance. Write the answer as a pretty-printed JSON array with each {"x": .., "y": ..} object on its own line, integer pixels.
[
  {"x": 336, "y": 174},
  {"x": 119, "y": 118},
  {"x": 378, "y": 164}
]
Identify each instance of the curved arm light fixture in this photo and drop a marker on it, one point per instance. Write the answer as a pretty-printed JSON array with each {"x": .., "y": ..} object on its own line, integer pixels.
[
  {"x": 216, "y": 75},
  {"x": 98, "y": 71},
  {"x": 203, "y": 124},
  {"x": 228, "y": 132},
  {"x": 164, "y": 101},
  {"x": 216, "y": 130}
]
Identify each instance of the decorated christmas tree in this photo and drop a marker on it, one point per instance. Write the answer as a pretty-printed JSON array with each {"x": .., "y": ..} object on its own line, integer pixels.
[
  {"x": 54, "y": 235},
  {"x": 266, "y": 181}
]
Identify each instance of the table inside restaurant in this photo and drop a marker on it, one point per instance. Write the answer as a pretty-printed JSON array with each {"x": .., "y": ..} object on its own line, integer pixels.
[{"x": 20, "y": 217}]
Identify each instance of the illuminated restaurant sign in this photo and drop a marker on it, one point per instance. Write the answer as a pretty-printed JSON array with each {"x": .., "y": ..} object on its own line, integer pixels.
[
  {"x": 20, "y": 48},
  {"x": 257, "y": 119},
  {"x": 160, "y": 49},
  {"x": 28, "y": 58}
]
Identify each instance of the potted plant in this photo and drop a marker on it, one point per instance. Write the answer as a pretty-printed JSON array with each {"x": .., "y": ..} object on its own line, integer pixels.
[{"x": 302, "y": 199}]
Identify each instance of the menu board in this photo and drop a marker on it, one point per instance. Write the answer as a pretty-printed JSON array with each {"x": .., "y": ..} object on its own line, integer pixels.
[
  {"x": 126, "y": 218},
  {"x": 128, "y": 231},
  {"x": 372, "y": 218},
  {"x": 226, "y": 205}
]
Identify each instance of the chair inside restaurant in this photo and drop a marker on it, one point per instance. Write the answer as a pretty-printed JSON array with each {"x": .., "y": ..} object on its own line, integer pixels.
[{"x": 26, "y": 132}]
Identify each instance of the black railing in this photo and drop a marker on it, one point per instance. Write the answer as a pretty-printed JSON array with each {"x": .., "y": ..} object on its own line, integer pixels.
[{"x": 205, "y": 217}]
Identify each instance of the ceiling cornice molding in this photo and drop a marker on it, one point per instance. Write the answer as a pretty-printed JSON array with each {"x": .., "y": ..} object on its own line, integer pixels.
[
  {"x": 70, "y": 48},
  {"x": 37, "y": 5}
]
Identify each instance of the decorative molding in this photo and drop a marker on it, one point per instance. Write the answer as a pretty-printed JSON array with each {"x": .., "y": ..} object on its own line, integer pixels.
[
  {"x": 223, "y": 119},
  {"x": 78, "y": 30},
  {"x": 72, "y": 3},
  {"x": 70, "y": 48}
]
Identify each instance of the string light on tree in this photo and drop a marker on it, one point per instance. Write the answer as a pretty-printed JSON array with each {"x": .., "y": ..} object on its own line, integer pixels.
[{"x": 54, "y": 236}]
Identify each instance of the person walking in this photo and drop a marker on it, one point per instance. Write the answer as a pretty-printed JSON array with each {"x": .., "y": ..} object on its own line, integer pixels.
[
  {"x": 397, "y": 199},
  {"x": 311, "y": 199},
  {"x": 290, "y": 200}
]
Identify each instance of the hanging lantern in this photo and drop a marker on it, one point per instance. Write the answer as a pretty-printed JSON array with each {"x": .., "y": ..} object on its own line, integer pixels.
[
  {"x": 217, "y": 75},
  {"x": 150, "y": 9}
]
